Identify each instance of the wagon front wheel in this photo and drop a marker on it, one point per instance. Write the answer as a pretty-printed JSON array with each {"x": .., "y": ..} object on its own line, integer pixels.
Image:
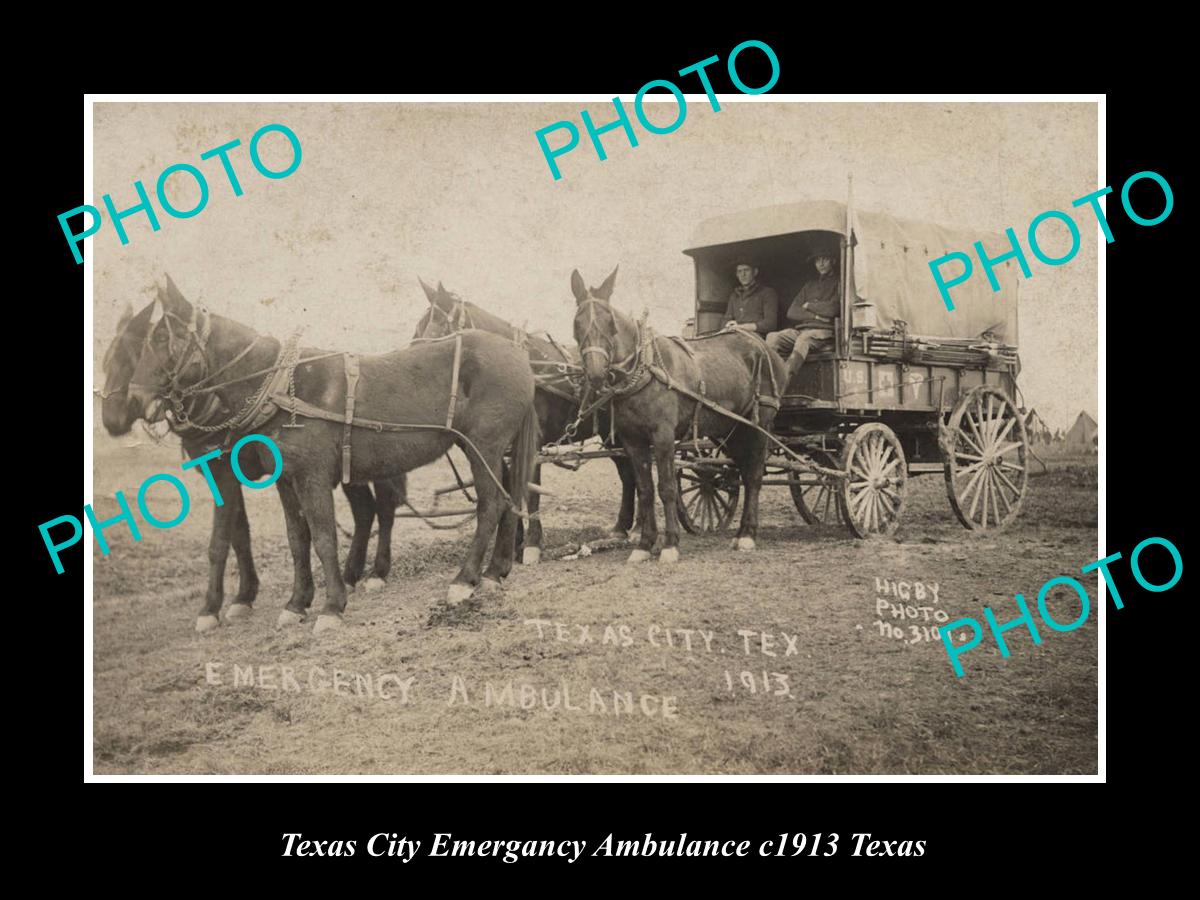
[
  {"x": 984, "y": 457},
  {"x": 871, "y": 497},
  {"x": 708, "y": 494},
  {"x": 815, "y": 495}
]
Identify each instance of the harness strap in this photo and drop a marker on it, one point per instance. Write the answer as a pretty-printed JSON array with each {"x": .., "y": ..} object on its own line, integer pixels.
[
  {"x": 309, "y": 411},
  {"x": 348, "y": 425},
  {"x": 454, "y": 380}
]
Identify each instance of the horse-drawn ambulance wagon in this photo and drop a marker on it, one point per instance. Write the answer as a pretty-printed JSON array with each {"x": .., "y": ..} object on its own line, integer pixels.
[{"x": 908, "y": 388}]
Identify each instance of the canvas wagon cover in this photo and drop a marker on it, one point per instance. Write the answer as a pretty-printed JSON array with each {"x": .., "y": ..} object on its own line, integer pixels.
[{"x": 891, "y": 265}]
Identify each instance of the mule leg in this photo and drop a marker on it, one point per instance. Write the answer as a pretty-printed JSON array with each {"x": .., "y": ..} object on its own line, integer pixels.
[
  {"x": 628, "y": 490},
  {"x": 316, "y": 498},
  {"x": 387, "y": 494},
  {"x": 300, "y": 543},
  {"x": 362, "y": 507},
  {"x": 749, "y": 450},
  {"x": 531, "y": 551},
  {"x": 502, "y": 554},
  {"x": 668, "y": 491},
  {"x": 218, "y": 554},
  {"x": 640, "y": 462},
  {"x": 487, "y": 516},
  {"x": 243, "y": 600}
]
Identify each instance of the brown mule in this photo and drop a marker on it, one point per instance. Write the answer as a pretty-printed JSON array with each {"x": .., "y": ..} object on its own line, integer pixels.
[
  {"x": 230, "y": 525},
  {"x": 651, "y": 379},
  {"x": 556, "y": 401},
  {"x": 404, "y": 418}
]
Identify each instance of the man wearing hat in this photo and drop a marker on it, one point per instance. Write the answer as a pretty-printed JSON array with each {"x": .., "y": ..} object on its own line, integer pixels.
[
  {"x": 752, "y": 307},
  {"x": 810, "y": 317}
]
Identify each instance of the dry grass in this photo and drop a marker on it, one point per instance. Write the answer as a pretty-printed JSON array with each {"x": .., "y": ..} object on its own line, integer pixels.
[{"x": 861, "y": 702}]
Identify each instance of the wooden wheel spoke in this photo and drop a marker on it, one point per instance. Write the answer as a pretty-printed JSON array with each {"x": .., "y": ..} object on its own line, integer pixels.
[
  {"x": 975, "y": 486},
  {"x": 828, "y": 502},
  {"x": 1000, "y": 474},
  {"x": 960, "y": 455},
  {"x": 888, "y": 506},
  {"x": 1003, "y": 433},
  {"x": 1003, "y": 499},
  {"x": 967, "y": 470},
  {"x": 992, "y": 491},
  {"x": 975, "y": 428},
  {"x": 967, "y": 439},
  {"x": 1008, "y": 447}
]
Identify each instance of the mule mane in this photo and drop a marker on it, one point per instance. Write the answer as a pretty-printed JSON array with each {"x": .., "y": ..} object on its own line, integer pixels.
[{"x": 489, "y": 321}]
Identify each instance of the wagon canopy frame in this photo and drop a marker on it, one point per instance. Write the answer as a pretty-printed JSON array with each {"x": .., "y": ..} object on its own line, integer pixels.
[{"x": 888, "y": 266}]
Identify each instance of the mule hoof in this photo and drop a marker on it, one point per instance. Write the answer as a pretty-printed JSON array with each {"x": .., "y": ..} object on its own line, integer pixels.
[
  {"x": 238, "y": 611},
  {"x": 669, "y": 556},
  {"x": 745, "y": 544},
  {"x": 327, "y": 623},
  {"x": 531, "y": 556},
  {"x": 619, "y": 532},
  {"x": 373, "y": 584},
  {"x": 206, "y": 623},
  {"x": 488, "y": 585},
  {"x": 638, "y": 556},
  {"x": 288, "y": 618},
  {"x": 457, "y": 593}
]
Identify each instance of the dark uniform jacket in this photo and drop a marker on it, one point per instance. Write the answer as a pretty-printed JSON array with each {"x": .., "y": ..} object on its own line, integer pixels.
[
  {"x": 817, "y": 304},
  {"x": 756, "y": 304}
]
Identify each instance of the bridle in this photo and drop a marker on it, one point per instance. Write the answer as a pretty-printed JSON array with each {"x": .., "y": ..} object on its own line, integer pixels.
[
  {"x": 458, "y": 319},
  {"x": 625, "y": 375},
  {"x": 194, "y": 334}
]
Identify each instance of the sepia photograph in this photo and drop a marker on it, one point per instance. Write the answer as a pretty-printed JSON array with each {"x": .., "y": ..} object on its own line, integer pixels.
[{"x": 540, "y": 437}]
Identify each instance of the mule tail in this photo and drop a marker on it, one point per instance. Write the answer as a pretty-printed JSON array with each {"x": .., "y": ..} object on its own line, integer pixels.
[{"x": 524, "y": 457}]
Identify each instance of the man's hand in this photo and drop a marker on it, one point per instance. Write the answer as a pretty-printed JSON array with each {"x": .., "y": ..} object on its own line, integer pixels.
[{"x": 732, "y": 323}]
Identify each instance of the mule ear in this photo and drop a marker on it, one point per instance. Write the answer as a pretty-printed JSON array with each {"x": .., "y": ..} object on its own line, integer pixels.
[
  {"x": 578, "y": 288},
  {"x": 173, "y": 295},
  {"x": 156, "y": 312},
  {"x": 430, "y": 293},
  {"x": 126, "y": 315},
  {"x": 605, "y": 290}
]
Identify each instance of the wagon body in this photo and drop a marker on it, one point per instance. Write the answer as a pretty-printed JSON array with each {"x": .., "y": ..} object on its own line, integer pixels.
[{"x": 919, "y": 374}]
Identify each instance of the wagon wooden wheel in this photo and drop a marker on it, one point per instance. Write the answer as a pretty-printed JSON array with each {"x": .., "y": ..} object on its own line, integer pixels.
[
  {"x": 872, "y": 497},
  {"x": 984, "y": 452},
  {"x": 815, "y": 495},
  {"x": 708, "y": 494}
]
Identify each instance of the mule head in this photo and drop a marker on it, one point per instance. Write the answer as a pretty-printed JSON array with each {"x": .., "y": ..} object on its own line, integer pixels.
[
  {"x": 597, "y": 328},
  {"x": 170, "y": 354},
  {"x": 447, "y": 313},
  {"x": 117, "y": 411}
]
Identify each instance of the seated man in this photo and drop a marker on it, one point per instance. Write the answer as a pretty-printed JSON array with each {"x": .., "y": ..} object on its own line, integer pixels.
[
  {"x": 752, "y": 307},
  {"x": 810, "y": 317}
]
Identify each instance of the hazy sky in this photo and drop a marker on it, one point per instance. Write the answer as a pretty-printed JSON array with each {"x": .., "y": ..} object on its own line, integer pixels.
[{"x": 387, "y": 192}]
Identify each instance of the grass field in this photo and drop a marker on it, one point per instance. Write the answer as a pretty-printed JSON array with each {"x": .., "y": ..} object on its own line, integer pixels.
[{"x": 524, "y": 681}]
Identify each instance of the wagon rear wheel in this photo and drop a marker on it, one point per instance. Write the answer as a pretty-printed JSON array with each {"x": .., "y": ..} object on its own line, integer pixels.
[
  {"x": 815, "y": 495},
  {"x": 984, "y": 455},
  {"x": 872, "y": 496},
  {"x": 708, "y": 494}
]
